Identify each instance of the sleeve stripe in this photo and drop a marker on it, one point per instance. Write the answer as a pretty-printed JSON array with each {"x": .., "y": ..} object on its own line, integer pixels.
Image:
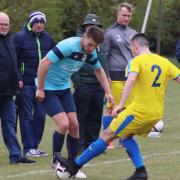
[{"x": 57, "y": 52}]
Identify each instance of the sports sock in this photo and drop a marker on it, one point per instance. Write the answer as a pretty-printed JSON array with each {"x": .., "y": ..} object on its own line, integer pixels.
[
  {"x": 106, "y": 121},
  {"x": 92, "y": 151},
  {"x": 133, "y": 151},
  {"x": 58, "y": 141},
  {"x": 72, "y": 146}
]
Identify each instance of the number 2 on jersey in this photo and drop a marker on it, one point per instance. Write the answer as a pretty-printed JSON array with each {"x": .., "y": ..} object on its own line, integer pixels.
[{"x": 156, "y": 69}]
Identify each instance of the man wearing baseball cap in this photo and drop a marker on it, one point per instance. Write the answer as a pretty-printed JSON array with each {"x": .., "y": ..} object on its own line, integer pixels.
[
  {"x": 88, "y": 94},
  {"x": 32, "y": 44},
  {"x": 91, "y": 19}
]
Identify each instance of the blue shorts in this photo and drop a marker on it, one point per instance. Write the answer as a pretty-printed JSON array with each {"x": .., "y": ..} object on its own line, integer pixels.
[{"x": 58, "y": 101}]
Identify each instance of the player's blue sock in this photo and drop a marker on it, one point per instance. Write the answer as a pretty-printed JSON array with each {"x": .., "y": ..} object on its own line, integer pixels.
[
  {"x": 92, "y": 151},
  {"x": 133, "y": 151},
  {"x": 72, "y": 146},
  {"x": 58, "y": 141},
  {"x": 106, "y": 121}
]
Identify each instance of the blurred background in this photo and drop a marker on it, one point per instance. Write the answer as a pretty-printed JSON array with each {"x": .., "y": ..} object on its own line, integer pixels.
[{"x": 65, "y": 16}]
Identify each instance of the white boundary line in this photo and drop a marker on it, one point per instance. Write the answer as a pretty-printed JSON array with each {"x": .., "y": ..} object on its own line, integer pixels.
[{"x": 89, "y": 165}]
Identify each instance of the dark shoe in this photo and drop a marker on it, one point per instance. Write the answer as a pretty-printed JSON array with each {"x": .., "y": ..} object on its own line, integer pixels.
[
  {"x": 23, "y": 160},
  {"x": 70, "y": 165},
  {"x": 138, "y": 176}
]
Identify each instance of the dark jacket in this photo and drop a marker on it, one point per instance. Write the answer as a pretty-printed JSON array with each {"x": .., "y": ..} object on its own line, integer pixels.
[
  {"x": 86, "y": 73},
  {"x": 8, "y": 66},
  {"x": 178, "y": 50},
  {"x": 31, "y": 47}
]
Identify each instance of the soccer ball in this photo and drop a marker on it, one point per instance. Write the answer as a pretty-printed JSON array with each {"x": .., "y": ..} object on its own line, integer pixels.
[
  {"x": 156, "y": 130},
  {"x": 158, "y": 127},
  {"x": 61, "y": 172}
]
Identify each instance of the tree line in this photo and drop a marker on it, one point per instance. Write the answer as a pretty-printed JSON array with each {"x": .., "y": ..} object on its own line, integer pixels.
[{"x": 65, "y": 16}]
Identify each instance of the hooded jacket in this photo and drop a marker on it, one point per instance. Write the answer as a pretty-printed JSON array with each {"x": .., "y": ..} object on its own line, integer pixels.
[
  {"x": 118, "y": 49},
  {"x": 8, "y": 66},
  {"x": 31, "y": 47}
]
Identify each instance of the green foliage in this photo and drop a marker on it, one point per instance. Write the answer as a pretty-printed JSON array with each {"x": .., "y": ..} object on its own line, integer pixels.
[
  {"x": 65, "y": 16},
  {"x": 171, "y": 25}
]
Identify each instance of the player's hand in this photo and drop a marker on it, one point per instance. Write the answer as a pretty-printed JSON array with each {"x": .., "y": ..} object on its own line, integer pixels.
[
  {"x": 110, "y": 99},
  {"x": 116, "y": 110},
  {"x": 40, "y": 95}
]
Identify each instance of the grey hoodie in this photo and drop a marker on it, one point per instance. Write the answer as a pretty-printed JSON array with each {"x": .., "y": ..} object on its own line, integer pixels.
[{"x": 118, "y": 47}]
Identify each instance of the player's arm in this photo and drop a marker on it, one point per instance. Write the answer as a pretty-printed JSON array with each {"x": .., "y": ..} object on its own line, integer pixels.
[
  {"x": 177, "y": 79},
  {"x": 127, "y": 90},
  {"x": 102, "y": 78},
  {"x": 174, "y": 72},
  {"x": 128, "y": 87},
  {"x": 41, "y": 74}
]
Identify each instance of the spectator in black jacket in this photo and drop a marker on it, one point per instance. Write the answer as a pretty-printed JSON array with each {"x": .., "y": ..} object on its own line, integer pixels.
[
  {"x": 88, "y": 94},
  {"x": 32, "y": 44},
  {"x": 178, "y": 50},
  {"x": 8, "y": 87}
]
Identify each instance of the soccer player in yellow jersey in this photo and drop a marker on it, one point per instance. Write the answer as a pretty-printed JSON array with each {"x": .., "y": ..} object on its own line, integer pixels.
[{"x": 148, "y": 74}]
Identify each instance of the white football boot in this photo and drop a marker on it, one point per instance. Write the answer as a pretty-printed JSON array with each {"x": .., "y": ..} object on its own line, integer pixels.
[{"x": 79, "y": 175}]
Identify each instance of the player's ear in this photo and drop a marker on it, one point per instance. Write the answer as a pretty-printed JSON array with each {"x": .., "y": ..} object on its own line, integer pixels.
[
  {"x": 84, "y": 35},
  {"x": 136, "y": 46}
]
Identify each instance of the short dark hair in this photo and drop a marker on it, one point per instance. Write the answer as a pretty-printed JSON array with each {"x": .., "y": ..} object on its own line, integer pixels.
[
  {"x": 96, "y": 33},
  {"x": 141, "y": 39}
]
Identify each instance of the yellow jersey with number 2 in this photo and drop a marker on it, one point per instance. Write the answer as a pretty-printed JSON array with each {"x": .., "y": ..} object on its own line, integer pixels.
[{"x": 153, "y": 71}]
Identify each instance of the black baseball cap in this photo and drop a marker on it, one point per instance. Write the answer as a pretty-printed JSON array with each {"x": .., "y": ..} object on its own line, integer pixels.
[{"x": 91, "y": 19}]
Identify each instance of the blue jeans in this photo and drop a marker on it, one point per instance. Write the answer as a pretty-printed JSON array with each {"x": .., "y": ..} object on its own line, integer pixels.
[
  {"x": 89, "y": 99},
  {"x": 8, "y": 126},
  {"x": 32, "y": 118}
]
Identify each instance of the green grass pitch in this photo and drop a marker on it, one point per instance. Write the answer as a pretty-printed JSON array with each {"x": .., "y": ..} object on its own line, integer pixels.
[{"x": 161, "y": 155}]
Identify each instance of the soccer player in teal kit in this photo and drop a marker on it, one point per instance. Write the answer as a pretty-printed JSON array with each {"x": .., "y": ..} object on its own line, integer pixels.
[{"x": 53, "y": 85}]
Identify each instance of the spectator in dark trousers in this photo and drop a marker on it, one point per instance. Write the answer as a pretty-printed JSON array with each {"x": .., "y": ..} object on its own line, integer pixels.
[
  {"x": 8, "y": 87},
  {"x": 89, "y": 94},
  {"x": 178, "y": 51},
  {"x": 32, "y": 44}
]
